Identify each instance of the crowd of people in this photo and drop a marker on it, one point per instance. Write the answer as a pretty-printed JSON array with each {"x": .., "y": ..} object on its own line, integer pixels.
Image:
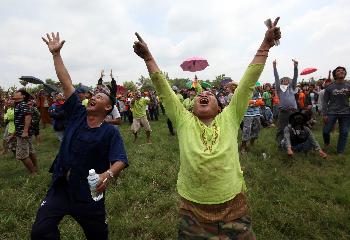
[{"x": 206, "y": 121}]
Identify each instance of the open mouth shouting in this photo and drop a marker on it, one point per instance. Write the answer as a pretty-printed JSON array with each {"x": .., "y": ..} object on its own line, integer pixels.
[{"x": 203, "y": 100}]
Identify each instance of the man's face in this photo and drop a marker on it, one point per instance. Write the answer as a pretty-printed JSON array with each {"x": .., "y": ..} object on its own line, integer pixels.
[
  {"x": 285, "y": 82},
  {"x": 99, "y": 103},
  {"x": 205, "y": 106},
  {"x": 17, "y": 97},
  {"x": 81, "y": 96},
  {"x": 340, "y": 73}
]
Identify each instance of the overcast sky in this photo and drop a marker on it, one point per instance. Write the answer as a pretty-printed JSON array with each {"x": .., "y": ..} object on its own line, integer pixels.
[{"x": 99, "y": 35}]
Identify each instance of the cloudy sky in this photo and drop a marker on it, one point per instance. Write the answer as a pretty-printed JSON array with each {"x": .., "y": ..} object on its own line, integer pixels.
[{"x": 99, "y": 35}]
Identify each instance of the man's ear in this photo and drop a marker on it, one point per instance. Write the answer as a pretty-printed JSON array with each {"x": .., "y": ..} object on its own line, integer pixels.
[{"x": 108, "y": 108}]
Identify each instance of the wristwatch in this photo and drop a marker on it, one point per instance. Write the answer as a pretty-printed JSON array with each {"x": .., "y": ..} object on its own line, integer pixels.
[{"x": 110, "y": 173}]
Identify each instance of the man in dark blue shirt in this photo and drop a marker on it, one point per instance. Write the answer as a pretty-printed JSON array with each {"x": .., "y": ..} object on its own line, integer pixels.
[{"x": 89, "y": 143}]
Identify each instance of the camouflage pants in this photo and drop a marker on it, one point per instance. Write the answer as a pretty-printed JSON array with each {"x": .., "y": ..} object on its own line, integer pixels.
[
  {"x": 191, "y": 229},
  {"x": 251, "y": 128}
]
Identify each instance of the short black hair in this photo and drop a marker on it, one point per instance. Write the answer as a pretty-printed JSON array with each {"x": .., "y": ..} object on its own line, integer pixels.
[
  {"x": 335, "y": 70},
  {"x": 111, "y": 101},
  {"x": 26, "y": 94}
]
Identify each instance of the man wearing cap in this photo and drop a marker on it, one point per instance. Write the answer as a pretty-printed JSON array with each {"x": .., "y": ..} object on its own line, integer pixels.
[
  {"x": 89, "y": 143},
  {"x": 336, "y": 108},
  {"x": 81, "y": 92},
  {"x": 138, "y": 108},
  {"x": 298, "y": 137},
  {"x": 286, "y": 89}
]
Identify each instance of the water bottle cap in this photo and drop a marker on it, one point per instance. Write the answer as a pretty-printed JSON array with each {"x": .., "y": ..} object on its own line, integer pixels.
[{"x": 92, "y": 172}]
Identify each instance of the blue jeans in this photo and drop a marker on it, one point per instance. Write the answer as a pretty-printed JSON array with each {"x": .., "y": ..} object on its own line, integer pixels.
[{"x": 344, "y": 124}]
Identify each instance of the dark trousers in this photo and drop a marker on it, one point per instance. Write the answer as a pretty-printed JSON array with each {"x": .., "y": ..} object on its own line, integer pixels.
[
  {"x": 344, "y": 124},
  {"x": 153, "y": 113},
  {"x": 283, "y": 120},
  {"x": 170, "y": 127},
  {"x": 130, "y": 116},
  {"x": 58, "y": 202}
]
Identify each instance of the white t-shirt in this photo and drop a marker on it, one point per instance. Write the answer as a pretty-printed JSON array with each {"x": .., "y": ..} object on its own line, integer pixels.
[{"x": 114, "y": 114}]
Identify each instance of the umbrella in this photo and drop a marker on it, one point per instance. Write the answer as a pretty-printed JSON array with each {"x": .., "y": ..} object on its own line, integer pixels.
[
  {"x": 31, "y": 79},
  {"x": 49, "y": 88},
  {"x": 308, "y": 71},
  {"x": 194, "y": 64}
]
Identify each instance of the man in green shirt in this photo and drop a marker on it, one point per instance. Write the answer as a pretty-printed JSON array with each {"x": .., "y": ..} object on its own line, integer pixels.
[
  {"x": 138, "y": 108},
  {"x": 210, "y": 180}
]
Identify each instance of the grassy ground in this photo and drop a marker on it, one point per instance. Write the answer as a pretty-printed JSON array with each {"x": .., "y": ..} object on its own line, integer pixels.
[{"x": 300, "y": 198}]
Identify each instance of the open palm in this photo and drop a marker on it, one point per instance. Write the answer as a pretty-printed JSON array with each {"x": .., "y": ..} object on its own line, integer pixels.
[{"x": 53, "y": 42}]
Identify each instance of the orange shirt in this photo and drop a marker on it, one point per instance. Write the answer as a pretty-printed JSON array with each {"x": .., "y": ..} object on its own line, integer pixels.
[
  {"x": 301, "y": 100},
  {"x": 275, "y": 100}
]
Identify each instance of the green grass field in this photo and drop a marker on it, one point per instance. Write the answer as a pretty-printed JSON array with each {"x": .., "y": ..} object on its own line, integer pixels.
[{"x": 300, "y": 198}]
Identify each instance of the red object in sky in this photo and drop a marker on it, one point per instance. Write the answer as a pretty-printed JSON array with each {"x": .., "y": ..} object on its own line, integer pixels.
[
  {"x": 308, "y": 71},
  {"x": 194, "y": 64}
]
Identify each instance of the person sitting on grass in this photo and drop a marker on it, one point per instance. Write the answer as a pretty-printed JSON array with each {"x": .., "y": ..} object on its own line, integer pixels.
[
  {"x": 89, "y": 143},
  {"x": 210, "y": 181},
  {"x": 298, "y": 137}
]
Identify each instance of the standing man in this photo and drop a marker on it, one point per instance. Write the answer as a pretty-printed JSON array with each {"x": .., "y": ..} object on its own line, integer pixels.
[
  {"x": 24, "y": 131},
  {"x": 336, "y": 107},
  {"x": 210, "y": 180},
  {"x": 89, "y": 143},
  {"x": 138, "y": 109},
  {"x": 285, "y": 88}
]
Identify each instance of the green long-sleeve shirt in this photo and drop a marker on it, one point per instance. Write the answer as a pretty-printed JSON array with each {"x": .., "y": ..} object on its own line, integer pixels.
[{"x": 210, "y": 171}]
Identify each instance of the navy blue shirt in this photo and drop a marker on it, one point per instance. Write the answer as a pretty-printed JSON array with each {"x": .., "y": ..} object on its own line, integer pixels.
[{"x": 84, "y": 148}]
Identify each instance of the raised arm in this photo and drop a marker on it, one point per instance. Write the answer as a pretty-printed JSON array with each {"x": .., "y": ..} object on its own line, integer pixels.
[
  {"x": 54, "y": 44},
  {"x": 295, "y": 75},
  {"x": 100, "y": 80},
  {"x": 171, "y": 102},
  {"x": 113, "y": 85},
  {"x": 246, "y": 86},
  {"x": 277, "y": 78}
]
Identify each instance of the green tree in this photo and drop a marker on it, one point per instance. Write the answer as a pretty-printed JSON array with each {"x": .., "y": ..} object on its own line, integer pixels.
[
  {"x": 145, "y": 84},
  {"x": 218, "y": 79},
  {"x": 23, "y": 83},
  {"x": 130, "y": 86}
]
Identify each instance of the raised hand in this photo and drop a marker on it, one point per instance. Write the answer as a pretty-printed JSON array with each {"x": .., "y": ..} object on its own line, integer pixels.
[
  {"x": 274, "y": 63},
  {"x": 53, "y": 42},
  {"x": 141, "y": 48},
  {"x": 295, "y": 62},
  {"x": 102, "y": 73},
  {"x": 111, "y": 74},
  {"x": 273, "y": 33}
]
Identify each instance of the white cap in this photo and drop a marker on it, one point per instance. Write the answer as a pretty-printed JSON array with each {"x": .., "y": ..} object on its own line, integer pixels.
[{"x": 92, "y": 172}]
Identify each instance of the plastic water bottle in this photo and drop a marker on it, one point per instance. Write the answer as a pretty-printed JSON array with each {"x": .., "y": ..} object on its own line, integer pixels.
[{"x": 93, "y": 180}]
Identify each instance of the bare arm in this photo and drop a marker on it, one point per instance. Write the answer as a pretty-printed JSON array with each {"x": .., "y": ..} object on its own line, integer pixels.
[
  {"x": 116, "y": 169},
  {"x": 27, "y": 122},
  {"x": 54, "y": 44},
  {"x": 116, "y": 121}
]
